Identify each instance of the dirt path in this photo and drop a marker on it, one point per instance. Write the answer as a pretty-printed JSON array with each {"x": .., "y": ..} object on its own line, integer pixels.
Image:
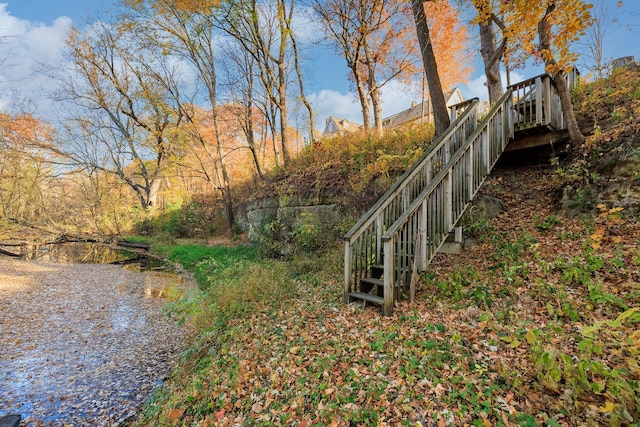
[{"x": 81, "y": 344}]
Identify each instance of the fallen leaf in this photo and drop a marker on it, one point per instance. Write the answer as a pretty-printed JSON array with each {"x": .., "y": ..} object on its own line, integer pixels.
[
  {"x": 608, "y": 408},
  {"x": 176, "y": 414}
]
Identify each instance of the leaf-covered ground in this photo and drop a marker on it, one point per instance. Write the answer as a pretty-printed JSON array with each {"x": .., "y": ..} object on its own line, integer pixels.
[
  {"x": 82, "y": 344},
  {"x": 537, "y": 324}
]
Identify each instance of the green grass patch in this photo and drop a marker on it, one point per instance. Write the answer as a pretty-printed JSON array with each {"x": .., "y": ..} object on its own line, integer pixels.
[{"x": 204, "y": 261}]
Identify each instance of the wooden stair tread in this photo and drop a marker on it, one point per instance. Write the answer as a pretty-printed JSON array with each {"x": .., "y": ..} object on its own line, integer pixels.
[
  {"x": 381, "y": 267},
  {"x": 367, "y": 297},
  {"x": 372, "y": 281}
]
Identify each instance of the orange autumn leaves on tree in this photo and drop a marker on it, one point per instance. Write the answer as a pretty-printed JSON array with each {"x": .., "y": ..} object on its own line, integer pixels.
[
  {"x": 24, "y": 167},
  {"x": 449, "y": 36},
  {"x": 23, "y": 134},
  {"x": 566, "y": 22}
]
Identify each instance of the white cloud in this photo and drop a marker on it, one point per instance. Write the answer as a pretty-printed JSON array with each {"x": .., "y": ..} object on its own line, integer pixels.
[
  {"x": 397, "y": 97},
  {"x": 329, "y": 102},
  {"x": 308, "y": 27},
  {"x": 25, "y": 48}
]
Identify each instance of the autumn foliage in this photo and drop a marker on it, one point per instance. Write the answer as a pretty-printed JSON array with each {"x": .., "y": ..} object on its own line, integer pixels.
[
  {"x": 450, "y": 43},
  {"x": 25, "y": 175}
]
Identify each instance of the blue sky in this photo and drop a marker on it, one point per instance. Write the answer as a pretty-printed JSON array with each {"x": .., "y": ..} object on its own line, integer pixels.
[{"x": 32, "y": 33}]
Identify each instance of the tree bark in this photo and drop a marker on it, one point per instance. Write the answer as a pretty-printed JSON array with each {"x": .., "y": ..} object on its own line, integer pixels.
[
  {"x": 558, "y": 79},
  {"x": 377, "y": 110},
  {"x": 491, "y": 58},
  {"x": 438, "y": 103},
  {"x": 303, "y": 97},
  {"x": 248, "y": 124},
  {"x": 282, "y": 82},
  {"x": 373, "y": 89},
  {"x": 440, "y": 112},
  {"x": 364, "y": 103}
]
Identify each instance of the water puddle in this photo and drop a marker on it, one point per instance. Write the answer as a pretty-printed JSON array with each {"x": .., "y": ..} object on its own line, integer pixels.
[
  {"x": 83, "y": 253},
  {"x": 84, "y": 336}
]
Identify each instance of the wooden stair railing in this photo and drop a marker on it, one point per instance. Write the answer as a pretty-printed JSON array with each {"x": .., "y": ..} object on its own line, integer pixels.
[
  {"x": 363, "y": 243},
  {"x": 536, "y": 102},
  {"x": 435, "y": 211},
  {"x": 438, "y": 208}
]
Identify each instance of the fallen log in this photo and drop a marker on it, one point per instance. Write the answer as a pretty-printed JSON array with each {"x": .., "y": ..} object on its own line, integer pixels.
[
  {"x": 137, "y": 245},
  {"x": 11, "y": 254}
]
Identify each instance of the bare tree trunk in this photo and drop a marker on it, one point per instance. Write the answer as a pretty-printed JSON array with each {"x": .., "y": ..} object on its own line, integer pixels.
[
  {"x": 364, "y": 104},
  {"x": 373, "y": 89},
  {"x": 491, "y": 58},
  {"x": 303, "y": 98},
  {"x": 249, "y": 124},
  {"x": 282, "y": 80},
  {"x": 440, "y": 112},
  {"x": 154, "y": 189},
  {"x": 558, "y": 79},
  {"x": 282, "y": 106},
  {"x": 377, "y": 109}
]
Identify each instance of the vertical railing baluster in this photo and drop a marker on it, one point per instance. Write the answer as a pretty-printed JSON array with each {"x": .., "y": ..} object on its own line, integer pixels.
[{"x": 347, "y": 271}]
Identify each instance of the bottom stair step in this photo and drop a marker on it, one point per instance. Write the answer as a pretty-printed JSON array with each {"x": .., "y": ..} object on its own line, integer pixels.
[{"x": 367, "y": 297}]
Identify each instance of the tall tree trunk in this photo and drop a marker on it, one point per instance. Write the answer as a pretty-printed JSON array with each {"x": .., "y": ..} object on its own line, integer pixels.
[
  {"x": 272, "y": 119},
  {"x": 282, "y": 96},
  {"x": 282, "y": 82},
  {"x": 225, "y": 182},
  {"x": 248, "y": 125},
  {"x": 440, "y": 112},
  {"x": 377, "y": 109},
  {"x": 303, "y": 97},
  {"x": 558, "y": 79},
  {"x": 491, "y": 58},
  {"x": 154, "y": 189},
  {"x": 364, "y": 104},
  {"x": 373, "y": 89}
]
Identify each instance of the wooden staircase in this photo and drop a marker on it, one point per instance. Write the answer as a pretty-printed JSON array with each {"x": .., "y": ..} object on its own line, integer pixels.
[{"x": 402, "y": 232}]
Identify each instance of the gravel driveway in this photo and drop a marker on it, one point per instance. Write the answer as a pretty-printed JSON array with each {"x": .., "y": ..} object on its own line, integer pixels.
[{"x": 82, "y": 344}]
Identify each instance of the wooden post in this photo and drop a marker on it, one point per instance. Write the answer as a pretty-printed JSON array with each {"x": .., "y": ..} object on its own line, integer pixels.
[
  {"x": 510, "y": 112},
  {"x": 457, "y": 234},
  {"x": 347, "y": 271},
  {"x": 422, "y": 229},
  {"x": 414, "y": 270},
  {"x": 448, "y": 202},
  {"x": 389, "y": 255},
  {"x": 379, "y": 227},
  {"x": 405, "y": 198},
  {"x": 538, "y": 92},
  {"x": 547, "y": 103},
  {"x": 469, "y": 172},
  {"x": 485, "y": 152}
]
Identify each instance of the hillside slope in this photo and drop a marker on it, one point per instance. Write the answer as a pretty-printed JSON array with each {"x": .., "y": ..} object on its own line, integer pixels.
[
  {"x": 537, "y": 323},
  {"x": 519, "y": 330}
]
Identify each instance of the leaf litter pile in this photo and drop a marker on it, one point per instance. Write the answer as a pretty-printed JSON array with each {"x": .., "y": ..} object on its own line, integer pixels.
[
  {"x": 536, "y": 324},
  {"x": 82, "y": 344}
]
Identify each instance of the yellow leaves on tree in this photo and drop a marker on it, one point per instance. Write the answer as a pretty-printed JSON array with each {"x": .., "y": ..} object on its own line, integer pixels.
[
  {"x": 449, "y": 37},
  {"x": 566, "y": 21},
  {"x": 189, "y": 6}
]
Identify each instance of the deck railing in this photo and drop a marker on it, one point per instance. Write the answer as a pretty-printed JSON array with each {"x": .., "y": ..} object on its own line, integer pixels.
[
  {"x": 363, "y": 243},
  {"x": 536, "y": 102},
  {"x": 435, "y": 211}
]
